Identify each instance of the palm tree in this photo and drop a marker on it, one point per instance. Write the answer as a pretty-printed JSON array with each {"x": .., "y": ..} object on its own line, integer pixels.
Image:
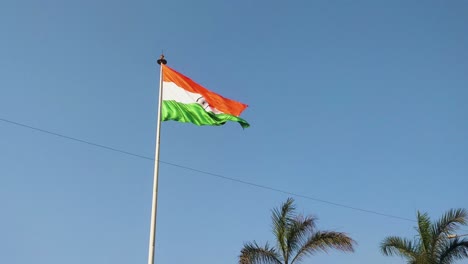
[
  {"x": 432, "y": 244},
  {"x": 296, "y": 237}
]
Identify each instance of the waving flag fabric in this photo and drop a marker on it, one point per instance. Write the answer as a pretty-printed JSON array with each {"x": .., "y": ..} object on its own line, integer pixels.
[{"x": 186, "y": 101}]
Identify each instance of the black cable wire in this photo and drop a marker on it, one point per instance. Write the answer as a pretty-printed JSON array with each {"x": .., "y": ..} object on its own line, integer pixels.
[
  {"x": 75, "y": 139},
  {"x": 287, "y": 192},
  {"x": 206, "y": 172}
]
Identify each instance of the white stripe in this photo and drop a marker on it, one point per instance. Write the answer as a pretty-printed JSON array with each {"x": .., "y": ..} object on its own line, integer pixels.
[{"x": 173, "y": 92}]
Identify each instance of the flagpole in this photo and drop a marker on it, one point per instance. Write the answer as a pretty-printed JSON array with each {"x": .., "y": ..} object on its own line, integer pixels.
[{"x": 154, "y": 207}]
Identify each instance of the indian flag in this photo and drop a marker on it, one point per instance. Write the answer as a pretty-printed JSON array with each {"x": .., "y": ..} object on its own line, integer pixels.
[{"x": 186, "y": 101}]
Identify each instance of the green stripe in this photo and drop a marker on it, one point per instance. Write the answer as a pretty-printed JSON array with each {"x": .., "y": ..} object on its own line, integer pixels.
[{"x": 194, "y": 113}]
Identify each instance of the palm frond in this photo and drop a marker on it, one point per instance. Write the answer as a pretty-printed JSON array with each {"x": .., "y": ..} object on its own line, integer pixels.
[
  {"x": 448, "y": 224},
  {"x": 424, "y": 232},
  {"x": 398, "y": 246},
  {"x": 452, "y": 250},
  {"x": 299, "y": 230},
  {"x": 324, "y": 241},
  {"x": 281, "y": 218},
  {"x": 424, "y": 258},
  {"x": 252, "y": 253}
]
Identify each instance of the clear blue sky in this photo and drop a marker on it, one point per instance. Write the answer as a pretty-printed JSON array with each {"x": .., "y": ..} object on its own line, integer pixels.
[{"x": 362, "y": 103}]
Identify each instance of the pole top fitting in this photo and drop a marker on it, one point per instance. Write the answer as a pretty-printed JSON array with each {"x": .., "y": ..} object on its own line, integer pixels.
[{"x": 162, "y": 60}]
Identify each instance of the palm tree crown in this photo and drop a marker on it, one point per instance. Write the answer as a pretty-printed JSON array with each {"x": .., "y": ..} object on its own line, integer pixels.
[
  {"x": 296, "y": 237},
  {"x": 432, "y": 245}
]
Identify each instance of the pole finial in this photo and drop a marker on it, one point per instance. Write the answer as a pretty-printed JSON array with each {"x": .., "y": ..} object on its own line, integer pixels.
[{"x": 162, "y": 60}]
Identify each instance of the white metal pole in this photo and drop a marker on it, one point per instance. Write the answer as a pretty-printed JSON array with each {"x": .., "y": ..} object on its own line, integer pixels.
[{"x": 154, "y": 207}]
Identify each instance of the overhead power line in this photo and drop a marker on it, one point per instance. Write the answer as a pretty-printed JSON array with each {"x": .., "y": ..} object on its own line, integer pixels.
[{"x": 219, "y": 176}]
